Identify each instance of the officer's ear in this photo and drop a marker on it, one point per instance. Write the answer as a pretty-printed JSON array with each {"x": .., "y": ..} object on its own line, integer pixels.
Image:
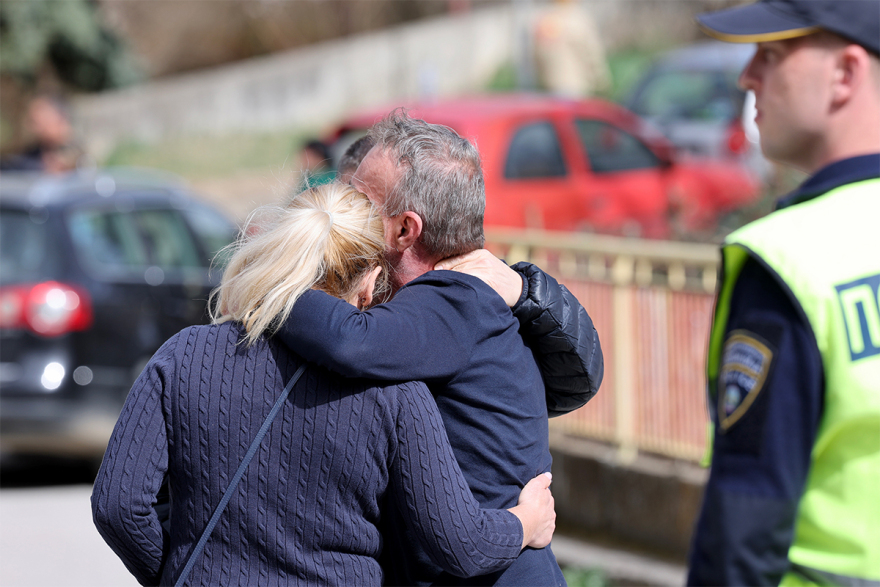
[{"x": 853, "y": 69}]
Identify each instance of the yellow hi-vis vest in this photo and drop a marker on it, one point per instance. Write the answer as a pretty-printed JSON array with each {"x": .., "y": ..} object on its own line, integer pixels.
[{"x": 827, "y": 252}]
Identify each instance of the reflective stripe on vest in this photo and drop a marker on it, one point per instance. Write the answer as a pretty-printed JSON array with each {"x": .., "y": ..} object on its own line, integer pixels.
[{"x": 827, "y": 252}]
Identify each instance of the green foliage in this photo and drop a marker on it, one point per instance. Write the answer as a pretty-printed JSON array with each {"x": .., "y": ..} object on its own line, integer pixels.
[
  {"x": 578, "y": 577},
  {"x": 626, "y": 67},
  {"x": 504, "y": 80},
  {"x": 69, "y": 35},
  {"x": 208, "y": 156}
]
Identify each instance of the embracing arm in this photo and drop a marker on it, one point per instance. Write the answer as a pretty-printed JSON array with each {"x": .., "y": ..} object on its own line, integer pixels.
[
  {"x": 552, "y": 321},
  {"x": 563, "y": 337},
  {"x": 439, "y": 508},
  {"x": 419, "y": 335},
  {"x": 131, "y": 475}
]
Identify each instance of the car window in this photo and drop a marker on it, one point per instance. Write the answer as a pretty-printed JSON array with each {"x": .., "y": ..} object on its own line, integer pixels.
[
  {"x": 534, "y": 152},
  {"x": 26, "y": 252},
  {"x": 107, "y": 240},
  {"x": 611, "y": 149},
  {"x": 117, "y": 242},
  {"x": 214, "y": 231},
  {"x": 168, "y": 241},
  {"x": 692, "y": 95}
]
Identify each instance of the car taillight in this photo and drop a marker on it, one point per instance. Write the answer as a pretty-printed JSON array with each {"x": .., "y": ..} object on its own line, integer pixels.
[
  {"x": 737, "y": 143},
  {"x": 48, "y": 309}
]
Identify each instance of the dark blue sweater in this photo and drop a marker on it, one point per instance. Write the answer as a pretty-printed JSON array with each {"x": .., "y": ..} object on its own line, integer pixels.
[
  {"x": 455, "y": 333},
  {"x": 308, "y": 510}
]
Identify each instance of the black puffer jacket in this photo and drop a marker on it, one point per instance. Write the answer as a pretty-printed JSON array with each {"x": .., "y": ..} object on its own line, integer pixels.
[{"x": 557, "y": 327}]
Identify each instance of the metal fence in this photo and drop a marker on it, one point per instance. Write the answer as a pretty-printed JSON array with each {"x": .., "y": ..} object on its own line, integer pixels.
[{"x": 651, "y": 302}]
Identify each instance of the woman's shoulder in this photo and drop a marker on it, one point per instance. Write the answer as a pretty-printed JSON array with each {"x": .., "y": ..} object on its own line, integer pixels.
[{"x": 202, "y": 339}]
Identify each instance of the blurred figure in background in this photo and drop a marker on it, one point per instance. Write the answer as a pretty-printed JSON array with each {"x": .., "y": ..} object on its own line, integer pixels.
[
  {"x": 315, "y": 165},
  {"x": 352, "y": 157},
  {"x": 569, "y": 55},
  {"x": 794, "y": 355},
  {"x": 54, "y": 149}
]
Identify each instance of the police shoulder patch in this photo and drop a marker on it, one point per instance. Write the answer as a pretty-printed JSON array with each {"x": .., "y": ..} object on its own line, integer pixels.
[{"x": 745, "y": 362}]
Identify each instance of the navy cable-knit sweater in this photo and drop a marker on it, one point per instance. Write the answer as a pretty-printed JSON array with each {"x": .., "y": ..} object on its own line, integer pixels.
[{"x": 307, "y": 510}]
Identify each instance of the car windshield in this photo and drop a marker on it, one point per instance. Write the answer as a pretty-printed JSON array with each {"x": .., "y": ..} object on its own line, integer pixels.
[
  {"x": 693, "y": 95},
  {"x": 25, "y": 247}
]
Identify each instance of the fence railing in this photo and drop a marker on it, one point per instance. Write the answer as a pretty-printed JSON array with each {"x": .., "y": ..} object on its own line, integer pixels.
[{"x": 651, "y": 303}]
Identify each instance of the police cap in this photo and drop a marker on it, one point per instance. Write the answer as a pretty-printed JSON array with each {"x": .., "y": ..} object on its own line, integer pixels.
[{"x": 774, "y": 20}]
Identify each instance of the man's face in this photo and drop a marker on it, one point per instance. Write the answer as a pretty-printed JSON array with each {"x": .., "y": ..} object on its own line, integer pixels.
[
  {"x": 791, "y": 82},
  {"x": 48, "y": 124},
  {"x": 374, "y": 177}
]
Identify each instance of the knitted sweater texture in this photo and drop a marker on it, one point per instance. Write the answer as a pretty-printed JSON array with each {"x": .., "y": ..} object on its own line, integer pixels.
[{"x": 307, "y": 510}]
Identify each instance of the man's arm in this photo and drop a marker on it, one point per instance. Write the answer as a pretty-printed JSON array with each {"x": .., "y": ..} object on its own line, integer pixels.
[
  {"x": 421, "y": 334},
  {"x": 764, "y": 436},
  {"x": 552, "y": 321}
]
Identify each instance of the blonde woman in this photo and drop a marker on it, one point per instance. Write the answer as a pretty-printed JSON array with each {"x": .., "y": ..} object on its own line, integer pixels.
[{"x": 308, "y": 507}]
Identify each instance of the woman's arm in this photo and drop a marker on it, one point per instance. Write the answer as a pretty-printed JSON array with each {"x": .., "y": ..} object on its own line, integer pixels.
[
  {"x": 557, "y": 327},
  {"x": 131, "y": 475},
  {"x": 438, "y": 507}
]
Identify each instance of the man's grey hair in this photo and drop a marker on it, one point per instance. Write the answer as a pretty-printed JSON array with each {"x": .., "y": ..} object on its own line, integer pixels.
[{"x": 440, "y": 179}]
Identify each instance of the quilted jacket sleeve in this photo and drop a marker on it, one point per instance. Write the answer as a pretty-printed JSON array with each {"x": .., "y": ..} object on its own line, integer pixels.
[{"x": 560, "y": 332}]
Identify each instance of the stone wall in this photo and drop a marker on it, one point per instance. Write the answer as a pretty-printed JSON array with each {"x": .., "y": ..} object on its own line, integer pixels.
[
  {"x": 647, "y": 503},
  {"x": 314, "y": 87}
]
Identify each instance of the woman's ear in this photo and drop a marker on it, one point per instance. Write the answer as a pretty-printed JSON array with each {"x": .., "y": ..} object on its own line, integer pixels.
[{"x": 365, "y": 294}]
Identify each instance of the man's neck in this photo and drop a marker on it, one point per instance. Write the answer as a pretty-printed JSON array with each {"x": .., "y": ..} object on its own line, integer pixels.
[{"x": 411, "y": 264}]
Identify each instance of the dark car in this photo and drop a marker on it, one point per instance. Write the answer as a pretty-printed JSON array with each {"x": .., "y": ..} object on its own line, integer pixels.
[
  {"x": 691, "y": 95},
  {"x": 558, "y": 164},
  {"x": 97, "y": 270}
]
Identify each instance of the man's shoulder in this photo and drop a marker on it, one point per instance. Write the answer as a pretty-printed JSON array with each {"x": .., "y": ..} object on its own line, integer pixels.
[
  {"x": 452, "y": 280},
  {"x": 455, "y": 288}
]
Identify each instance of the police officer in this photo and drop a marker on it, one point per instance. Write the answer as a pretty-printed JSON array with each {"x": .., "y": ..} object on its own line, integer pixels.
[{"x": 794, "y": 356}]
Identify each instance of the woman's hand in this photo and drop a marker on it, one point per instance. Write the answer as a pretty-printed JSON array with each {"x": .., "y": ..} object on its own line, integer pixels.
[{"x": 535, "y": 512}]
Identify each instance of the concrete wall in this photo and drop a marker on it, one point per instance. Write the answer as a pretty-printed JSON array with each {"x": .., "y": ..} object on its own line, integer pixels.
[
  {"x": 316, "y": 86},
  {"x": 308, "y": 87},
  {"x": 648, "y": 503}
]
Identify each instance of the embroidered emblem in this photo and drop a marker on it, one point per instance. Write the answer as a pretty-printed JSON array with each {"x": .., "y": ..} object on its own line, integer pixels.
[{"x": 745, "y": 363}]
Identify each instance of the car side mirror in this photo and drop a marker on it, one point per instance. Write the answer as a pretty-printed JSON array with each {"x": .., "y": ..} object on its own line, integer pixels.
[{"x": 666, "y": 154}]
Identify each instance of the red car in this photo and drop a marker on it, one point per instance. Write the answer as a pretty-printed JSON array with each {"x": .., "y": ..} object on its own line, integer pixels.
[{"x": 560, "y": 164}]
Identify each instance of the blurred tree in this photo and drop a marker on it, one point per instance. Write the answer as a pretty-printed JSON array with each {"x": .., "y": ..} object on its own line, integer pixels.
[{"x": 67, "y": 35}]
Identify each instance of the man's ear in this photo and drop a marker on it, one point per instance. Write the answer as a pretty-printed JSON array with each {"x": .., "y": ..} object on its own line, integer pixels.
[
  {"x": 408, "y": 229},
  {"x": 852, "y": 69},
  {"x": 365, "y": 295}
]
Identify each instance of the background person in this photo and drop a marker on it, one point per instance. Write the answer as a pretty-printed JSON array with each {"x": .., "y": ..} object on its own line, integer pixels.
[
  {"x": 454, "y": 332},
  {"x": 569, "y": 55},
  {"x": 54, "y": 149},
  {"x": 315, "y": 165},
  {"x": 352, "y": 157},
  {"x": 794, "y": 356},
  {"x": 308, "y": 509}
]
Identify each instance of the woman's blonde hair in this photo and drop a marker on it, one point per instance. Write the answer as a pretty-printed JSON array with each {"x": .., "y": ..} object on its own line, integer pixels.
[{"x": 328, "y": 237}]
